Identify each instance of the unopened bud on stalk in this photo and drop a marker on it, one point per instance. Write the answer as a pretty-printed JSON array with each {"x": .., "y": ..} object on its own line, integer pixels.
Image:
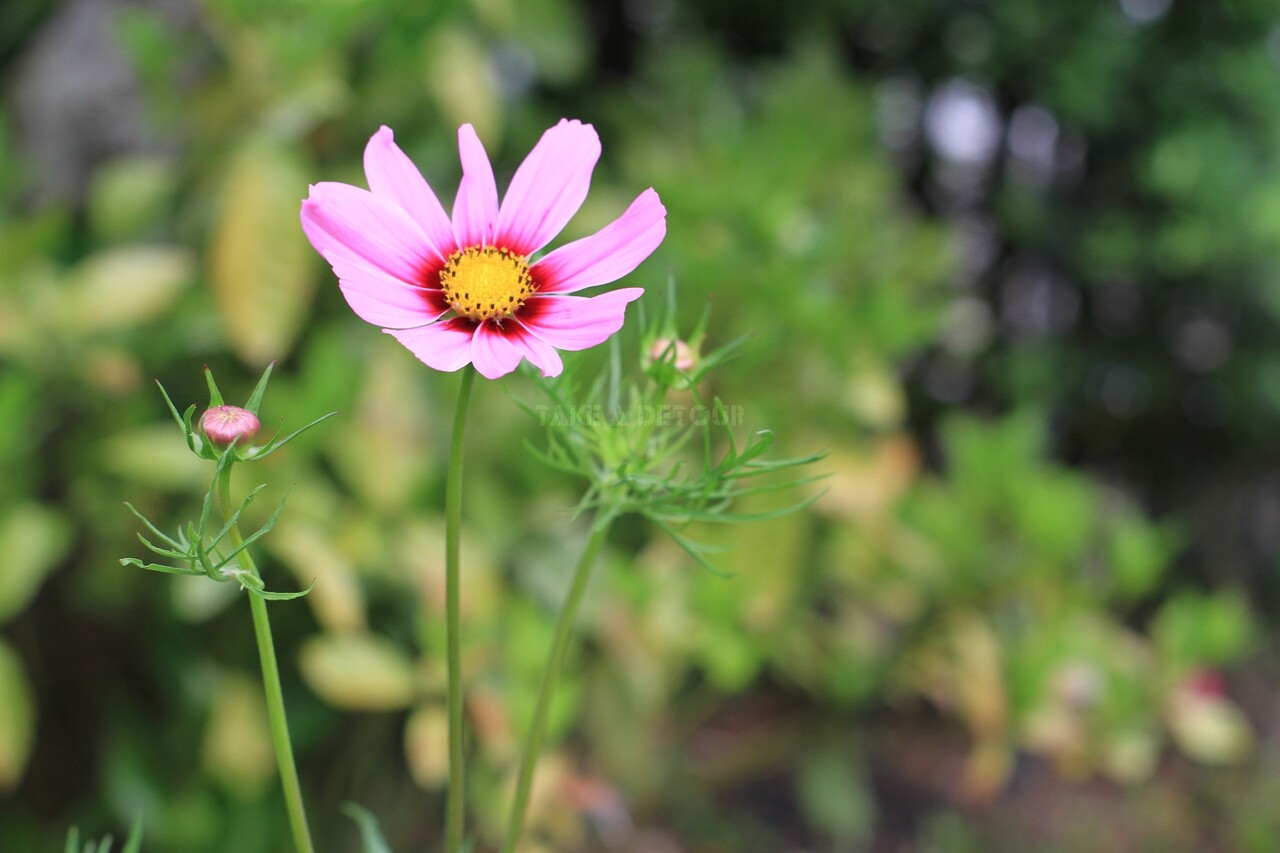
[
  {"x": 225, "y": 424},
  {"x": 684, "y": 358}
]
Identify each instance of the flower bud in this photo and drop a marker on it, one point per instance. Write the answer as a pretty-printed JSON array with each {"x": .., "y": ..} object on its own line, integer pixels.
[
  {"x": 225, "y": 424},
  {"x": 684, "y": 356}
]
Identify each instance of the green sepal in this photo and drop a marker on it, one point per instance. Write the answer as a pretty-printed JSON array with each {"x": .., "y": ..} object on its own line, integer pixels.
[
  {"x": 184, "y": 422},
  {"x": 172, "y": 408},
  {"x": 215, "y": 396},
  {"x": 203, "y": 449},
  {"x": 255, "y": 399}
]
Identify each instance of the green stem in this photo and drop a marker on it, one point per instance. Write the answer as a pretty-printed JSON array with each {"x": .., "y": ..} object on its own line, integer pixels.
[
  {"x": 551, "y": 674},
  {"x": 455, "y": 812},
  {"x": 271, "y": 683}
]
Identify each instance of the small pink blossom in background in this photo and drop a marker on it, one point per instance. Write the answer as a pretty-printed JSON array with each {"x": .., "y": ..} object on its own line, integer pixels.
[
  {"x": 464, "y": 290},
  {"x": 1204, "y": 683},
  {"x": 225, "y": 424}
]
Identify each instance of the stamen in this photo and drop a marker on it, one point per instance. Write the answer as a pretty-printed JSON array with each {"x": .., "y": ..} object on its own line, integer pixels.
[{"x": 483, "y": 283}]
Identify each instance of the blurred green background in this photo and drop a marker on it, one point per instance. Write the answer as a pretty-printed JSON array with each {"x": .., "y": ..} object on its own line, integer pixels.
[{"x": 1015, "y": 264}]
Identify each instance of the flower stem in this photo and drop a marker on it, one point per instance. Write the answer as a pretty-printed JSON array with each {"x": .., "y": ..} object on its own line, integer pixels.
[
  {"x": 456, "y": 807},
  {"x": 550, "y": 675},
  {"x": 271, "y": 684}
]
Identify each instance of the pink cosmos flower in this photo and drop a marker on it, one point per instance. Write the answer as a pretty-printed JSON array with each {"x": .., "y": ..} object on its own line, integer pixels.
[{"x": 466, "y": 290}]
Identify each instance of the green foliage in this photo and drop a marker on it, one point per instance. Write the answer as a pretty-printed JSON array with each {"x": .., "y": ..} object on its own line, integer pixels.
[
  {"x": 132, "y": 844},
  {"x": 641, "y": 453},
  {"x": 17, "y": 718},
  {"x": 1196, "y": 630}
]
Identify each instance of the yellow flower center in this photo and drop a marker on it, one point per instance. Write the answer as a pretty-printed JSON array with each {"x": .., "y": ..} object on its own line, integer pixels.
[{"x": 485, "y": 283}]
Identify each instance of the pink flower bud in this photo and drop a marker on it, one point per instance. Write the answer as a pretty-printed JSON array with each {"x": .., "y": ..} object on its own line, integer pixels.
[
  {"x": 684, "y": 357},
  {"x": 225, "y": 424}
]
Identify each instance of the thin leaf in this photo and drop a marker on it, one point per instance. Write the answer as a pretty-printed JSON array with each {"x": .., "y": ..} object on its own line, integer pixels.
[
  {"x": 275, "y": 444},
  {"x": 547, "y": 460},
  {"x": 235, "y": 516},
  {"x": 198, "y": 555},
  {"x": 706, "y": 430},
  {"x": 133, "y": 844},
  {"x": 257, "y": 534},
  {"x": 764, "y": 466},
  {"x": 158, "y": 567},
  {"x": 184, "y": 554},
  {"x": 779, "y": 487},
  {"x": 370, "y": 834},
  {"x": 155, "y": 530},
  {"x": 692, "y": 549},
  {"x": 275, "y": 596},
  {"x": 764, "y": 515}
]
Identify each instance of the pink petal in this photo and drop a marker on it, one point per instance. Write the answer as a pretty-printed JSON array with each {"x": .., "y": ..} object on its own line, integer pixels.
[
  {"x": 549, "y": 187},
  {"x": 608, "y": 254},
  {"x": 342, "y": 220},
  {"x": 394, "y": 307},
  {"x": 384, "y": 300},
  {"x": 444, "y": 346},
  {"x": 577, "y": 322},
  {"x": 494, "y": 353},
  {"x": 540, "y": 354},
  {"x": 475, "y": 211},
  {"x": 392, "y": 175}
]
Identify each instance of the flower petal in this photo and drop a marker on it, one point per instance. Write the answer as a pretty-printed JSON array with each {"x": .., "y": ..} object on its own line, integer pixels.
[
  {"x": 549, "y": 187},
  {"x": 475, "y": 211},
  {"x": 340, "y": 219},
  {"x": 540, "y": 354},
  {"x": 493, "y": 351},
  {"x": 393, "y": 307},
  {"x": 444, "y": 346},
  {"x": 577, "y": 322},
  {"x": 380, "y": 298},
  {"x": 608, "y": 254},
  {"x": 392, "y": 175}
]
